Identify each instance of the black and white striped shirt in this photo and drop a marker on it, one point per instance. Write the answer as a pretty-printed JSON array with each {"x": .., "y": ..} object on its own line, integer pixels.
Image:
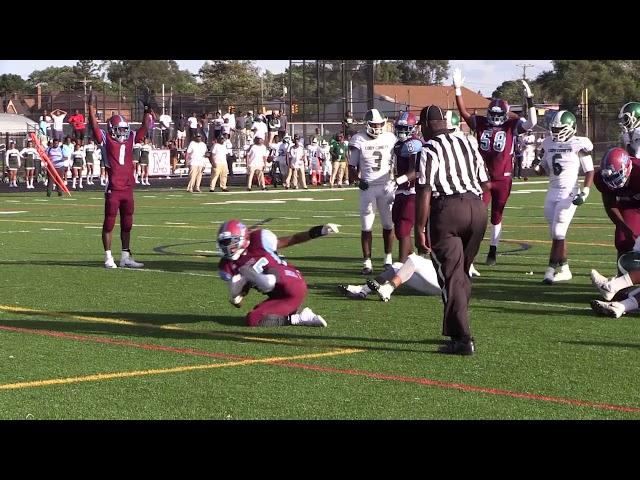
[{"x": 450, "y": 164}]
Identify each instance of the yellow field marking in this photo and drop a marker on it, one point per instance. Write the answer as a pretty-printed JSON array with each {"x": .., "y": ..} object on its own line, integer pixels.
[
  {"x": 115, "y": 321},
  {"x": 159, "y": 371}
]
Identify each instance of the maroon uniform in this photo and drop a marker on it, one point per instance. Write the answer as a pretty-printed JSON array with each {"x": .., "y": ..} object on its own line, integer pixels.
[
  {"x": 290, "y": 289},
  {"x": 118, "y": 159},
  {"x": 403, "y": 212},
  {"x": 496, "y": 145},
  {"x": 627, "y": 200}
]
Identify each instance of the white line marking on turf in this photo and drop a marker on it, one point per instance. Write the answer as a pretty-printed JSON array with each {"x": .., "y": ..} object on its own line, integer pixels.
[
  {"x": 229, "y": 202},
  {"x": 206, "y": 251},
  {"x": 12, "y": 212},
  {"x": 97, "y": 228},
  {"x": 527, "y": 191},
  {"x": 96, "y": 198},
  {"x": 544, "y": 304},
  {"x": 12, "y": 201},
  {"x": 149, "y": 196},
  {"x": 53, "y": 229},
  {"x": 176, "y": 223}
]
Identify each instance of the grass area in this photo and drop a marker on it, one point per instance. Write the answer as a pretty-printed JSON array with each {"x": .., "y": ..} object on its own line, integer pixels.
[{"x": 78, "y": 341}]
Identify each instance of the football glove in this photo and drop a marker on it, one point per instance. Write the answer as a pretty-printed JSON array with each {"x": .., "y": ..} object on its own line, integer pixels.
[
  {"x": 363, "y": 185},
  {"x": 457, "y": 77},
  {"x": 580, "y": 198},
  {"x": 330, "y": 228},
  {"x": 527, "y": 90},
  {"x": 390, "y": 188}
]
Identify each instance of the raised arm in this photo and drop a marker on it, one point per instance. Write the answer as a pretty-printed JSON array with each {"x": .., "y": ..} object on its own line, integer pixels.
[
  {"x": 458, "y": 80},
  {"x": 532, "y": 120},
  {"x": 93, "y": 120},
  {"x": 313, "y": 232}
]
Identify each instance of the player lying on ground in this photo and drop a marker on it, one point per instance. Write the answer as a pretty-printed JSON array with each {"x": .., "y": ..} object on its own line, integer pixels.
[
  {"x": 250, "y": 259},
  {"x": 417, "y": 272},
  {"x": 621, "y": 292}
]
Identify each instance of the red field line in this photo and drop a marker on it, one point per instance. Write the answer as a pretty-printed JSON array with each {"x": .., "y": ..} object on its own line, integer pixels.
[{"x": 317, "y": 368}]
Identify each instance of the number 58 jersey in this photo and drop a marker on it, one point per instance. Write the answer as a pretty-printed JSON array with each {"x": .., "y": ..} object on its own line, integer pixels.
[
  {"x": 373, "y": 157},
  {"x": 562, "y": 160}
]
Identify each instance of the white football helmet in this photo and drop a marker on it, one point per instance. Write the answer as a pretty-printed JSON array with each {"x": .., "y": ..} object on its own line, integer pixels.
[{"x": 375, "y": 122}]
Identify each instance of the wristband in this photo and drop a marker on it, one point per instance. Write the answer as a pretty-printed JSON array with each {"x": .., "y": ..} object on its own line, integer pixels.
[
  {"x": 402, "y": 179},
  {"x": 458, "y": 92},
  {"x": 315, "y": 232}
]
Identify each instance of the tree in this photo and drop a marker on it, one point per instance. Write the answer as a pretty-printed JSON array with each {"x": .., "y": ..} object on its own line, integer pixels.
[
  {"x": 148, "y": 76},
  {"x": 387, "y": 72},
  {"x": 230, "y": 79},
  {"x": 56, "y": 78},
  {"x": 513, "y": 91},
  {"x": 11, "y": 83}
]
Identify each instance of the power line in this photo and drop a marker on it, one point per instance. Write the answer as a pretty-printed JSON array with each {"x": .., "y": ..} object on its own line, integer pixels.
[{"x": 524, "y": 69}]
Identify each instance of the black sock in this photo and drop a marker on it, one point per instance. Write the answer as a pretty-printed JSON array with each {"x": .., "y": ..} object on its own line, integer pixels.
[{"x": 493, "y": 249}]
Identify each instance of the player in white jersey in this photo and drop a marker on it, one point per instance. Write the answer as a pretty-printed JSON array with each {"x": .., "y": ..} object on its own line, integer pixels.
[
  {"x": 564, "y": 154},
  {"x": 370, "y": 153},
  {"x": 416, "y": 272},
  {"x": 314, "y": 157},
  {"x": 629, "y": 120},
  {"x": 325, "y": 155}
]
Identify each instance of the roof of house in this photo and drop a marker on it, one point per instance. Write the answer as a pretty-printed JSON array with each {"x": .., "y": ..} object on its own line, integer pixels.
[
  {"x": 14, "y": 105},
  {"x": 418, "y": 96}
]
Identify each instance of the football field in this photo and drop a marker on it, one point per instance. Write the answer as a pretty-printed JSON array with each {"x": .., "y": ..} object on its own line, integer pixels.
[{"x": 78, "y": 341}]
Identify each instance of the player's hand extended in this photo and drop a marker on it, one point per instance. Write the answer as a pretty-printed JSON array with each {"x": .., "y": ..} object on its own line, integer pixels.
[
  {"x": 390, "y": 188},
  {"x": 363, "y": 185},
  {"x": 579, "y": 199},
  {"x": 330, "y": 228},
  {"x": 457, "y": 77},
  {"x": 527, "y": 90}
]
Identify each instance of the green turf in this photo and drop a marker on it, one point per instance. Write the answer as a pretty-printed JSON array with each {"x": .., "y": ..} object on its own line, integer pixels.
[{"x": 531, "y": 338}]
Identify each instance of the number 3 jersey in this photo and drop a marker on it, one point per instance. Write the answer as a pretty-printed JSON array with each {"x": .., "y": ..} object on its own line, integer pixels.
[
  {"x": 496, "y": 145},
  {"x": 374, "y": 158},
  {"x": 563, "y": 160}
]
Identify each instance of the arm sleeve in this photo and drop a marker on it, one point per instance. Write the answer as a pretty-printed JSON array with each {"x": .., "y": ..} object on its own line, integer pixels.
[{"x": 586, "y": 161}]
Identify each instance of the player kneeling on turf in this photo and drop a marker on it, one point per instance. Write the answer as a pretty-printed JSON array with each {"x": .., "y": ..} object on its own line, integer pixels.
[
  {"x": 621, "y": 293},
  {"x": 250, "y": 259}
]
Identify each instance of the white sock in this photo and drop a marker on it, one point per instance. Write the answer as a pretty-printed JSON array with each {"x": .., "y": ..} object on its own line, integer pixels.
[
  {"x": 619, "y": 283},
  {"x": 629, "y": 304},
  {"x": 367, "y": 263},
  {"x": 495, "y": 234},
  {"x": 388, "y": 259},
  {"x": 107, "y": 254},
  {"x": 549, "y": 272},
  {"x": 408, "y": 268}
]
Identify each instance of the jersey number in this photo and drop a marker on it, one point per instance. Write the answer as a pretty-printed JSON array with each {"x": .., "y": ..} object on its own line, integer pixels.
[
  {"x": 557, "y": 168},
  {"x": 378, "y": 159},
  {"x": 260, "y": 264},
  {"x": 121, "y": 157},
  {"x": 499, "y": 141}
]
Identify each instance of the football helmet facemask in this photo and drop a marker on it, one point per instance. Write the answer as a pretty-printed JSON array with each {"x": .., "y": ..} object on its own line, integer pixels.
[
  {"x": 616, "y": 168},
  {"x": 497, "y": 112},
  {"x": 233, "y": 239},
  {"x": 405, "y": 125},
  {"x": 375, "y": 122},
  {"x": 629, "y": 116},
  {"x": 118, "y": 128},
  {"x": 563, "y": 126}
]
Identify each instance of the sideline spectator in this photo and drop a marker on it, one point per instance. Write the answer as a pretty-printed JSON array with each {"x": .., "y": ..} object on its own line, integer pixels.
[
  {"x": 219, "y": 167},
  {"x": 48, "y": 124},
  {"x": 282, "y": 131},
  {"x": 193, "y": 127},
  {"x": 12, "y": 156},
  {"x": 145, "y": 153},
  {"x": 338, "y": 152},
  {"x": 29, "y": 154},
  {"x": 347, "y": 124},
  {"x": 165, "y": 127},
  {"x": 273, "y": 125},
  {"x": 256, "y": 159},
  {"x": 195, "y": 159},
  {"x": 181, "y": 131},
  {"x": 58, "y": 118},
  {"x": 79, "y": 125},
  {"x": 54, "y": 152}
]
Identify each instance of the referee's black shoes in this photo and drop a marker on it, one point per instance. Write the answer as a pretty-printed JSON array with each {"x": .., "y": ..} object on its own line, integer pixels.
[{"x": 458, "y": 347}]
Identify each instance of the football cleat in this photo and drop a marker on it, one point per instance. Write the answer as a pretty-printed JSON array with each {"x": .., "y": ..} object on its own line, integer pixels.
[
  {"x": 602, "y": 284},
  {"x": 310, "y": 319},
  {"x": 473, "y": 272},
  {"x": 564, "y": 275},
  {"x": 610, "y": 309},
  {"x": 384, "y": 291},
  {"x": 367, "y": 267},
  {"x": 353, "y": 292},
  {"x": 128, "y": 261},
  {"x": 110, "y": 263}
]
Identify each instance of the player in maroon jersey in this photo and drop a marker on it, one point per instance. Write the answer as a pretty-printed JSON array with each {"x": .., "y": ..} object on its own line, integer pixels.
[
  {"x": 496, "y": 134},
  {"x": 118, "y": 145},
  {"x": 250, "y": 259}
]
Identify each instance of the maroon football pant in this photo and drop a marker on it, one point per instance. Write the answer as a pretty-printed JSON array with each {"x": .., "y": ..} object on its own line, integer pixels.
[
  {"x": 498, "y": 196},
  {"x": 624, "y": 242},
  {"x": 285, "y": 299},
  {"x": 403, "y": 215},
  {"x": 114, "y": 202}
]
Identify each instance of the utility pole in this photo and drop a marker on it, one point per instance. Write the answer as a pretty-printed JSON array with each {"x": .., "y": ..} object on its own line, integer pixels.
[
  {"x": 85, "y": 81},
  {"x": 524, "y": 69}
]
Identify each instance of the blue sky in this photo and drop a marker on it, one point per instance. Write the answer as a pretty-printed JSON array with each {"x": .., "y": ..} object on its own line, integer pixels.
[{"x": 483, "y": 75}]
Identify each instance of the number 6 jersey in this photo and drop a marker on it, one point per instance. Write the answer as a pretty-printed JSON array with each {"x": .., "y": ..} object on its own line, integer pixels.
[
  {"x": 373, "y": 157},
  {"x": 562, "y": 160}
]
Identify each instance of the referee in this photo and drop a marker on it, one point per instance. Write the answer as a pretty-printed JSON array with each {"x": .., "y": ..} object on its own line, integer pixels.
[{"x": 450, "y": 179}]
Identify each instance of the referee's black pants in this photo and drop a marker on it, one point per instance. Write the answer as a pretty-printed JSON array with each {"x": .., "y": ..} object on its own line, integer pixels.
[{"x": 457, "y": 224}]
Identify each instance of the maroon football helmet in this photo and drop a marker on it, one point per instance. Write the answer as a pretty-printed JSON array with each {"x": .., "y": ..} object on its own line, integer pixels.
[
  {"x": 119, "y": 128},
  {"x": 497, "y": 112},
  {"x": 233, "y": 239},
  {"x": 616, "y": 168}
]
